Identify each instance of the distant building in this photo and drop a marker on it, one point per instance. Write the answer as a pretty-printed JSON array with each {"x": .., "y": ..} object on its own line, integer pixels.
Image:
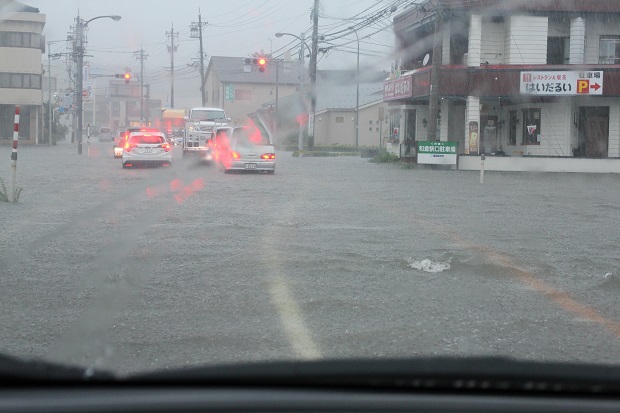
[
  {"x": 334, "y": 121},
  {"x": 21, "y": 45},
  {"x": 240, "y": 89}
]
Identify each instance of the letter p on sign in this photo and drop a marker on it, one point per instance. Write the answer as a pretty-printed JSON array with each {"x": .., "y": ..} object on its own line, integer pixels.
[{"x": 583, "y": 86}]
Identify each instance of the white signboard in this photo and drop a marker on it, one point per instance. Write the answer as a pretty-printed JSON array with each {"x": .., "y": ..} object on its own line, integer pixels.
[
  {"x": 438, "y": 153},
  {"x": 560, "y": 82}
]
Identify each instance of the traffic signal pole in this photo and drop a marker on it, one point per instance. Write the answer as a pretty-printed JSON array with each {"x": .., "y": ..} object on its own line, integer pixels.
[{"x": 202, "y": 62}]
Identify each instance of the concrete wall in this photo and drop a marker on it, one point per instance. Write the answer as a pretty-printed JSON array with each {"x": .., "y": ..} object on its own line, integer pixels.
[
  {"x": 527, "y": 164},
  {"x": 328, "y": 132}
]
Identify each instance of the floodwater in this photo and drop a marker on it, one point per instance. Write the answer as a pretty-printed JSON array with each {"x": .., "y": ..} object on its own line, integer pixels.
[{"x": 134, "y": 270}]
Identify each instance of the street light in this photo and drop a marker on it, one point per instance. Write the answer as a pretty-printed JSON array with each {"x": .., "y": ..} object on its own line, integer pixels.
[
  {"x": 357, "y": 93},
  {"x": 80, "y": 64},
  {"x": 300, "y": 143}
]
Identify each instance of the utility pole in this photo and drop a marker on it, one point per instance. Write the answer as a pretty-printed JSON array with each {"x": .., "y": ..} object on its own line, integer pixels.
[
  {"x": 148, "y": 104},
  {"x": 313, "y": 63},
  {"x": 433, "y": 101},
  {"x": 79, "y": 34},
  {"x": 193, "y": 28},
  {"x": 172, "y": 48},
  {"x": 141, "y": 56}
]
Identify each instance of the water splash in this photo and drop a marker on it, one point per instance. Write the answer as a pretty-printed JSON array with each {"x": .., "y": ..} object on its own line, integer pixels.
[{"x": 427, "y": 265}]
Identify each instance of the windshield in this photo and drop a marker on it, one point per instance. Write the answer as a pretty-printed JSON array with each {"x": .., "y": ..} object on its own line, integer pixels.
[
  {"x": 383, "y": 180},
  {"x": 208, "y": 115}
]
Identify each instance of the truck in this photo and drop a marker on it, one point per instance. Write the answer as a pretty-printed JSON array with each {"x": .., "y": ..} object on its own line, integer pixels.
[{"x": 200, "y": 126}]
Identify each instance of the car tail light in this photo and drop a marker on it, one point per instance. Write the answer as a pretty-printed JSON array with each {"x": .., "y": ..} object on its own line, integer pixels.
[
  {"x": 268, "y": 156},
  {"x": 166, "y": 146},
  {"x": 236, "y": 155},
  {"x": 128, "y": 146}
]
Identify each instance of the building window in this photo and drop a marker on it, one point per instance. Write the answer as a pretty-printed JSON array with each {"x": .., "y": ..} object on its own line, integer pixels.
[
  {"x": 19, "y": 39},
  {"x": 609, "y": 50},
  {"x": 512, "y": 127},
  {"x": 531, "y": 126},
  {"x": 558, "y": 50},
  {"x": 339, "y": 119},
  {"x": 377, "y": 129}
]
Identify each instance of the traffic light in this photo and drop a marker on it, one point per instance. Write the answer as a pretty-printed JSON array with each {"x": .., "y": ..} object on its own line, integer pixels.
[
  {"x": 126, "y": 76},
  {"x": 260, "y": 62}
]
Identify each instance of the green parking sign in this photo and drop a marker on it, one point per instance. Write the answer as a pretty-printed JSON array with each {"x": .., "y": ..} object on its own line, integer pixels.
[{"x": 229, "y": 92}]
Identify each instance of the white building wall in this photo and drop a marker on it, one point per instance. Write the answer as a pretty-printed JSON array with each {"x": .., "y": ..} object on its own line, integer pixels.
[
  {"x": 475, "y": 40},
  {"x": 577, "y": 40},
  {"x": 492, "y": 41},
  {"x": 526, "y": 40},
  {"x": 20, "y": 60},
  {"x": 556, "y": 129},
  {"x": 595, "y": 28}
]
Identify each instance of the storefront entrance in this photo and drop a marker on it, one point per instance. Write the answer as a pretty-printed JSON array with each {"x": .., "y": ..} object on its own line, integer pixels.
[
  {"x": 594, "y": 131},
  {"x": 488, "y": 135}
]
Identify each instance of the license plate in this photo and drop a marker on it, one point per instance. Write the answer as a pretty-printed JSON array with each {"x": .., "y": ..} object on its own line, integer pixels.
[
  {"x": 250, "y": 166},
  {"x": 147, "y": 150}
]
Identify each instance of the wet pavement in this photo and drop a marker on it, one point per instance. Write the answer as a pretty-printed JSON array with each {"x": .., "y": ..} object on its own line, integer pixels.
[{"x": 133, "y": 270}]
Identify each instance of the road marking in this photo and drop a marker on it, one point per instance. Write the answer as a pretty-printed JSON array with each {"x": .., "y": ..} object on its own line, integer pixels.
[
  {"x": 290, "y": 313},
  {"x": 292, "y": 321},
  {"x": 559, "y": 297}
]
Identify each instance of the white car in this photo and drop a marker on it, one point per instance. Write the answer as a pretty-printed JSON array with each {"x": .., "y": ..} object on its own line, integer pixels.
[{"x": 146, "y": 149}]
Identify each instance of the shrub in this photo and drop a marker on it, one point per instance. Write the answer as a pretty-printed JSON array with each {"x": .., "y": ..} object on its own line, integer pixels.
[{"x": 4, "y": 193}]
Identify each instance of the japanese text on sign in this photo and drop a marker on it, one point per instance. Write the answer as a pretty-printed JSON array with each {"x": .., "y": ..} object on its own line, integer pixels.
[
  {"x": 562, "y": 83},
  {"x": 398, "y": 88},
  {"x": 444, "y": 153}
]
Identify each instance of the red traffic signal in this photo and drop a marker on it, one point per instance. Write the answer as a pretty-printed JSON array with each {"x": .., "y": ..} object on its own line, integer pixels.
[
  {"x": 262, "y": 62},
  {"x": 127, "y": 77}
]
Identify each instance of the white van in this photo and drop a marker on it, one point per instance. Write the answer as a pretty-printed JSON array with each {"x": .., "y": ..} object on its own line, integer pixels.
[{"x": 105, "y": 134}]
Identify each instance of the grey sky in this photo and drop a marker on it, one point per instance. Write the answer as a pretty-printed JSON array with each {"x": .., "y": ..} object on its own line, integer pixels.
[{"x": 235, "y": 28}]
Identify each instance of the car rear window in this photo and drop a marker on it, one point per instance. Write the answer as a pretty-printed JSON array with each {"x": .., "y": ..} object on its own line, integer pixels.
[
  {"x": 147, "y": 139},
  {"x": 252, "y": 136}
]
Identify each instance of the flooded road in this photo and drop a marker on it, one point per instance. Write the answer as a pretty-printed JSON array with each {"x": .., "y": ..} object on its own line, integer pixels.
[{"x": 134, "y": 270}]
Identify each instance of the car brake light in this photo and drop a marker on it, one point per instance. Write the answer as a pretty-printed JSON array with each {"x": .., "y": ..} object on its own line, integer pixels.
[
  {"x": 128, "y": 146},
  {"x": 236, "y": 155},
  {"x": 268, "y": 156},
  {"x": 166, "y": 146}
]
